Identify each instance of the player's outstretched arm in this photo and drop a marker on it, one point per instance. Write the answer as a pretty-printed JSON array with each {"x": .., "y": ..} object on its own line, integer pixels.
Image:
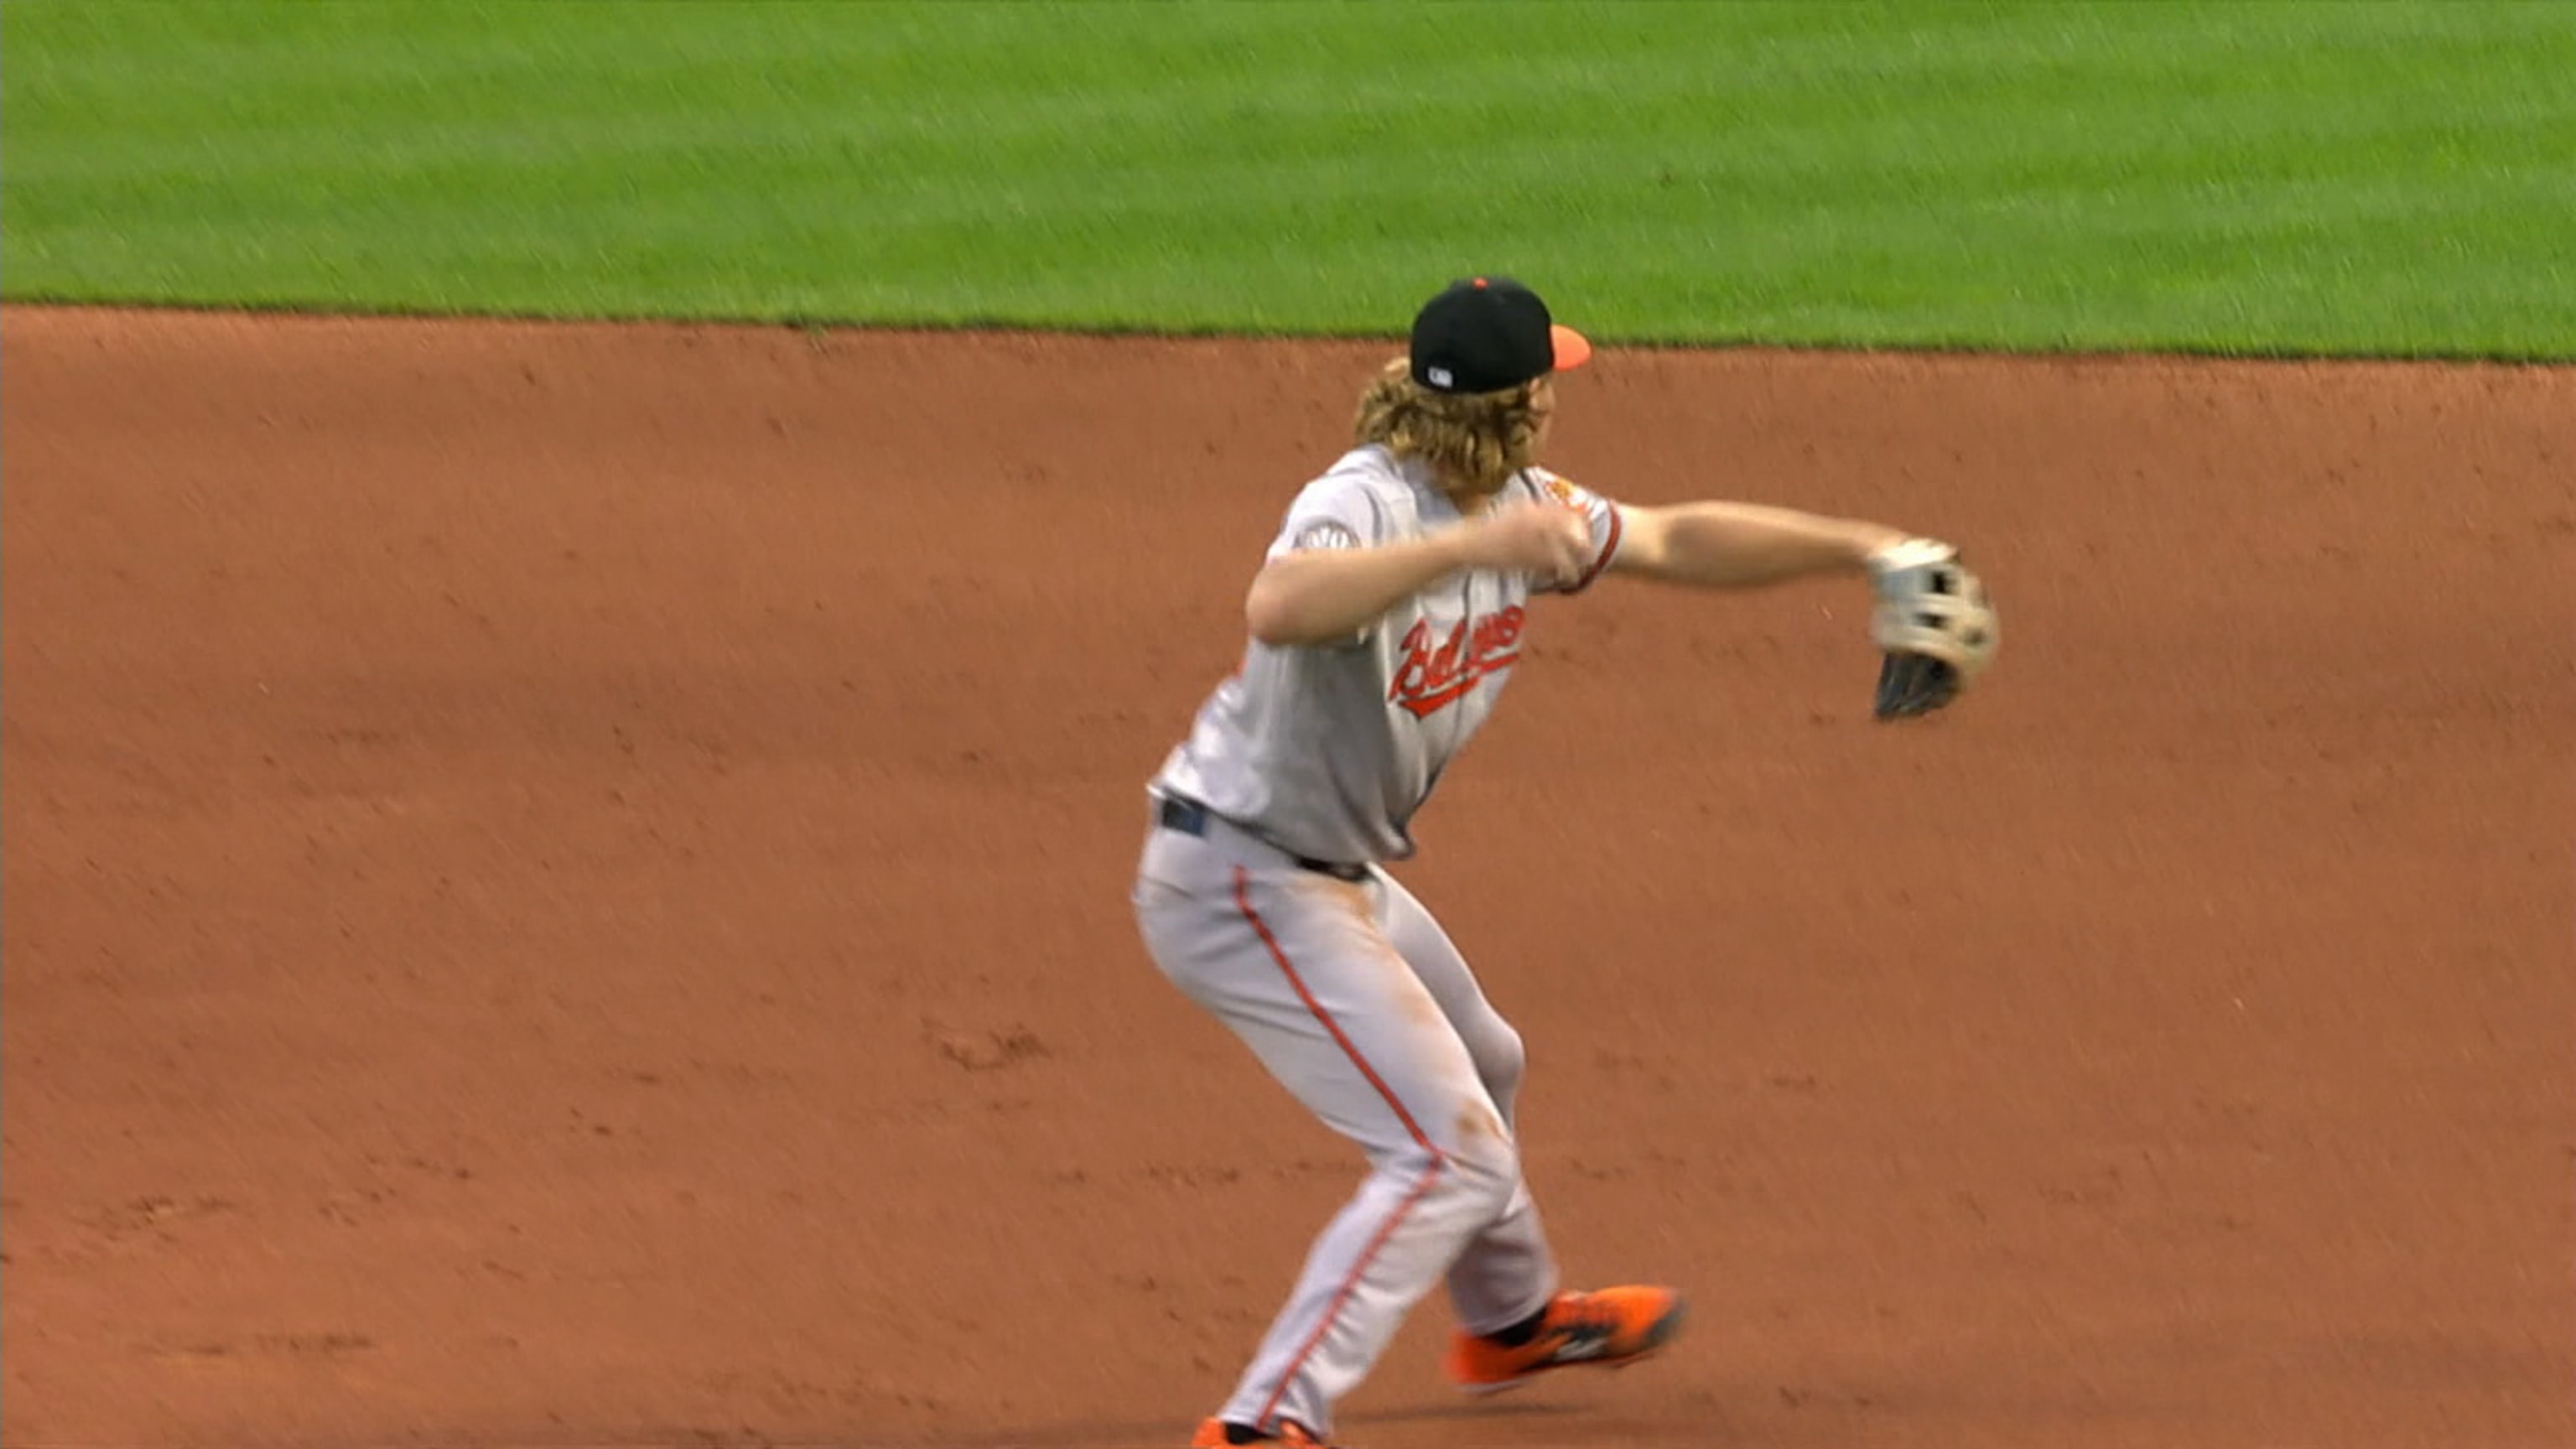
[
  {"x": 1743, "y": 545},
  {"x": 1932, "y": 620}
]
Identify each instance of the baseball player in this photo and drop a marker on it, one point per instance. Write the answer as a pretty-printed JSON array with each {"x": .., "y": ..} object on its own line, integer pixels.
[{"x": 1384, "y": 623}]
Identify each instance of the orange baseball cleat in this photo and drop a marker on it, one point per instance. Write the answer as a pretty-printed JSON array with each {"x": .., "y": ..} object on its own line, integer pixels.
[{"x": 1605, "y": 1329}]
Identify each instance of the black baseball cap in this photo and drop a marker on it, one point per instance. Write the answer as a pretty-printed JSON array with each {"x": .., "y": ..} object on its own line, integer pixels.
[{"x": 1484, "y": 334}]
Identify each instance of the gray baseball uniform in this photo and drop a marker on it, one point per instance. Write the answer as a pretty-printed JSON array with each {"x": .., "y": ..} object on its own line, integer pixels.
[{"x": 1260, "y": 894}]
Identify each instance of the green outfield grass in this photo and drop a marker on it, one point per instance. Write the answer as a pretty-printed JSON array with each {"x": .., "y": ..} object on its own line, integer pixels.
[{"x": 2236, "y": 176}]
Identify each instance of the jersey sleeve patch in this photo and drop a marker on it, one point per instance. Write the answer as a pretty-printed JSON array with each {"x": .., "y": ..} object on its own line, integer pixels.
[
  {"x": 1324, "y": 533},
  {"x": 1565, "y": 493}
]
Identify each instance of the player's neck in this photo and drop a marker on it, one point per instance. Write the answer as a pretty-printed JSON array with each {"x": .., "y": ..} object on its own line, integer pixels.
[
  {"x": 1471, "y": 498},
  {"x": 1467, "y": 498}
]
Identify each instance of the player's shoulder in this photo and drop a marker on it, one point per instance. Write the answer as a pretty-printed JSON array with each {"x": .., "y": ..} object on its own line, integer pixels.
[
  {"x": 1370, "y": 467},
  {"x": 1369, "y": 474},
  {"x": 1349, "y": 504}
]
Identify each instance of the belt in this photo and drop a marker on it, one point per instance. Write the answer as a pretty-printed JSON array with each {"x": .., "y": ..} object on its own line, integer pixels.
[{"x": 1191, "y": 818}]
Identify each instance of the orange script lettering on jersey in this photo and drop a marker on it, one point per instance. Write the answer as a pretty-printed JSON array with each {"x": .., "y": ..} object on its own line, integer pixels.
[{"x": 1435, "y": 677}]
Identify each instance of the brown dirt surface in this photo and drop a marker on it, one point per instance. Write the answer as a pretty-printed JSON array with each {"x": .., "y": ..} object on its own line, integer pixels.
[{"x": 567, "y": 885}]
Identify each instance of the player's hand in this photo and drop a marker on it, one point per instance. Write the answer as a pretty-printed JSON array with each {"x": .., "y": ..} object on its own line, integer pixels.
[{"x": 1548, "y": 543}]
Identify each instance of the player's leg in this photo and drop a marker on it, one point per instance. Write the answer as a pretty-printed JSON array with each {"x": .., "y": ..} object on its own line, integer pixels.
[
  {"x": 1514, "y": 1323},
  {"x": 1295, "y": 964},
  {"x": 1506, "y": 1274}
]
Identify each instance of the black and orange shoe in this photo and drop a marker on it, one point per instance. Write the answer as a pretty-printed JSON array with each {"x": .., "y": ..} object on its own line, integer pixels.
[
  {"x": 1610, "y": 1328},
  {"x": 1212, "y": 1435}
]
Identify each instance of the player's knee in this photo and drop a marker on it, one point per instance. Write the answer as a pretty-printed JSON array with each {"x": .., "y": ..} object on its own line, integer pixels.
[
  {"x": 1485, "y": 1165},
  {"x": 1501, "y": 1063}
]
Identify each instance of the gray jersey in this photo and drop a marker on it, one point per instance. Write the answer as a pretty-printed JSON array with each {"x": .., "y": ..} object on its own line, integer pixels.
[{"x": 1329, "y": 751}]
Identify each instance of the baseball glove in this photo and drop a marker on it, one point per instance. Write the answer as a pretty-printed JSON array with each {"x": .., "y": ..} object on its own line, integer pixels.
[{"x": 1934, "y": 626}]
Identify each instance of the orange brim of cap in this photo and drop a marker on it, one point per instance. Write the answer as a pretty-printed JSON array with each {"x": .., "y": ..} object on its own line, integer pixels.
[{"x": 1573, "y": 349}]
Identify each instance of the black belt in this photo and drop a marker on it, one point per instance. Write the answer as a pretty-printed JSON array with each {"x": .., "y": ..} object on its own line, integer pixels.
[{"x": 1191, "y": 818}]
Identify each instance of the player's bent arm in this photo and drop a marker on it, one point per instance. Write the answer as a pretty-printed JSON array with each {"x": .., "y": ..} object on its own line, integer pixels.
[
  {"x": 1325, "y": 595},
  {"x": 1742, "y": 545}
]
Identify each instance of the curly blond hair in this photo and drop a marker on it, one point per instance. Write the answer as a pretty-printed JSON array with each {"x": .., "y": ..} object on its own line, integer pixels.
[{"x": 1473, "y": 442}]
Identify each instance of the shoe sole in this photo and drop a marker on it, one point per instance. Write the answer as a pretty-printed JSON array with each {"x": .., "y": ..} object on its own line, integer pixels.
[{"x": 1656, "y": 1339}]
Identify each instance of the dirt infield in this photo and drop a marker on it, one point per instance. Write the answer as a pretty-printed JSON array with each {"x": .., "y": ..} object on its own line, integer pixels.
[{"x": 567, "y": 885}]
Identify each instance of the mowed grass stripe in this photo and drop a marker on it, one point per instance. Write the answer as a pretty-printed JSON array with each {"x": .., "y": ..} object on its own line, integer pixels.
[{"x": 2299, "y": 177}]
